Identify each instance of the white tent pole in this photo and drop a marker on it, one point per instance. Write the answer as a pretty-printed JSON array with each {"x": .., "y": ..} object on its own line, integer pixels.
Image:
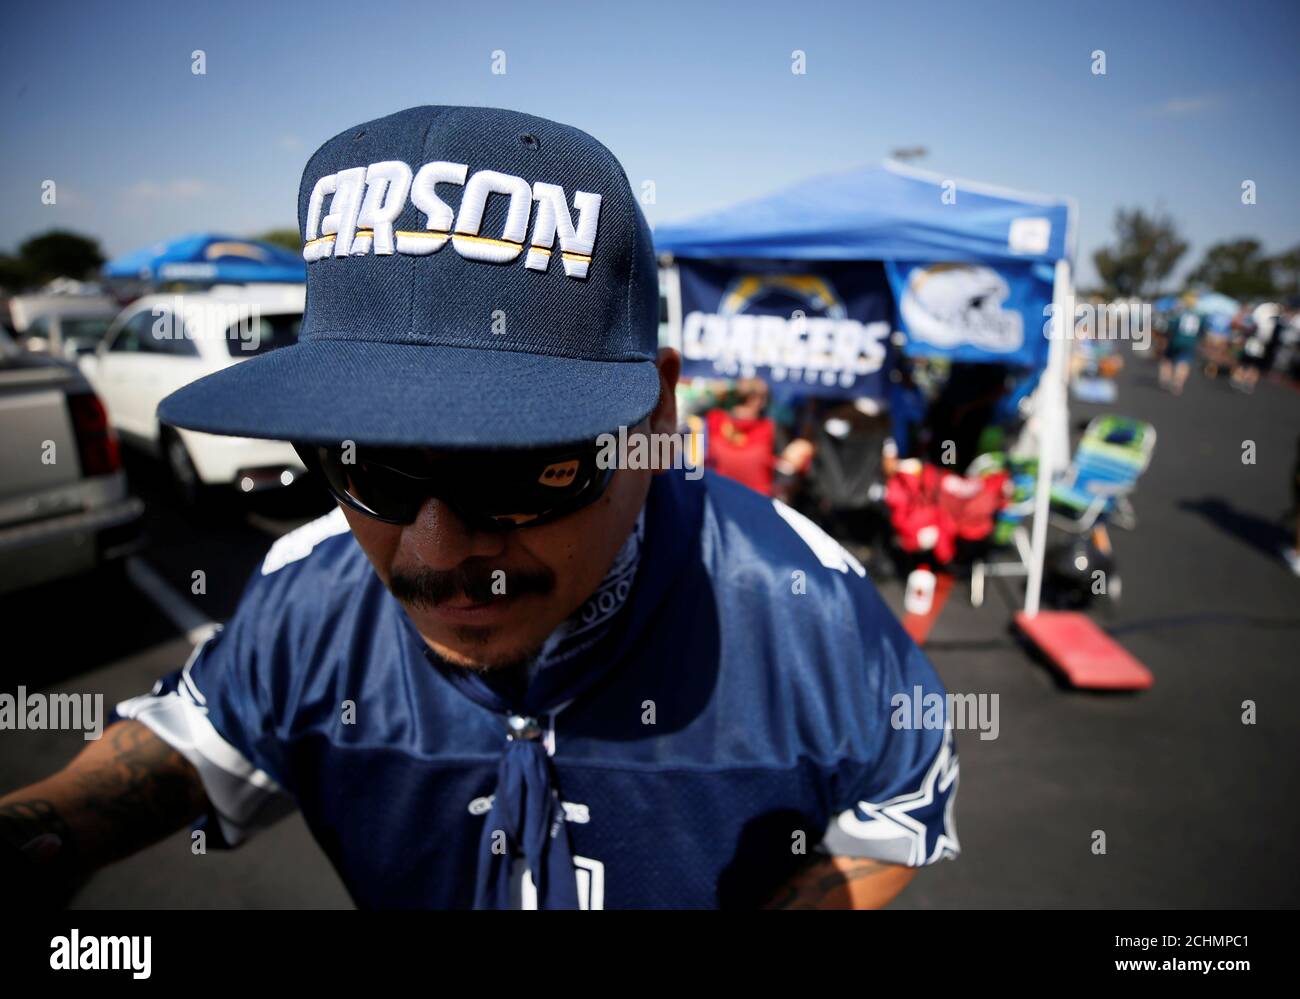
[
  {"x": 671, "y": 282},
  {"x": 1050, "y": 408}
]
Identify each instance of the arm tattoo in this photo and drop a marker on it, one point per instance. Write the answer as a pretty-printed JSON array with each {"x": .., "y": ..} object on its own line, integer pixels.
[
  {"x": 128, "y": 797},
  {"x": 819, "y": 879},
  {"x": 144, "y": 792}
]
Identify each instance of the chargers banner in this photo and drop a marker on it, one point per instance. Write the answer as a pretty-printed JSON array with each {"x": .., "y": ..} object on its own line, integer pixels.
[
  {"x": 973, "y": 312},
  {"x": 805, "y": 328}
]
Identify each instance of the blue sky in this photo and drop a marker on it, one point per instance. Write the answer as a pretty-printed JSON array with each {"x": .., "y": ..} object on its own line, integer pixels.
[{"x": 698, "y": 97}]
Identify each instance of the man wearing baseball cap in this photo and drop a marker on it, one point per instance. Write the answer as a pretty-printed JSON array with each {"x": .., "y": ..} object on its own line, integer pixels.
[{"x": 504, "y": 673}]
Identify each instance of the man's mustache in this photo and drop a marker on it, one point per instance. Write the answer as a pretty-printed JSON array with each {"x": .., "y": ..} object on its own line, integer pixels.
[{"x": 474, "y": 580}]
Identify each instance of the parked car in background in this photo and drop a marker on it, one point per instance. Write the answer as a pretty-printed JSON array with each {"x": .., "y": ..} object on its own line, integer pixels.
[
  {"x": 64, "y": 507},
  {"x": 163, "y": 341},
  {"x": 61, "y": 324}
]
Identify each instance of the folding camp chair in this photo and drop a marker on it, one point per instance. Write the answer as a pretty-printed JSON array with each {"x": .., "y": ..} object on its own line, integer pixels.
[
  {"x": 1113, "y": 453},
  {"x": 1009, "y": 533},
  {"x": 982, "y": 568}
]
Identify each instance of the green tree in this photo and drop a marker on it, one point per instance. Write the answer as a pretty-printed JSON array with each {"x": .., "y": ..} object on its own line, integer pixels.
[
  {"x": 288, "y": 238},
  {"x": 59, "y": 253},
  {"x": 1236, "y": 268},
  {"x": 1286, "y": 272},
  {"x": 1146, "y": 250},
  {"x": 13, "y": 273}
]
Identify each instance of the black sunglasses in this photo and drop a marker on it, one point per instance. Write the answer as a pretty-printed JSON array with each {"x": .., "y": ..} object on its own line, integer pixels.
[{"x": 488, "y": 490}]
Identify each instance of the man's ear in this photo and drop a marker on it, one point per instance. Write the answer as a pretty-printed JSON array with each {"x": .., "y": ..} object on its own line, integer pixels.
[{"x": 664, "y": 418}]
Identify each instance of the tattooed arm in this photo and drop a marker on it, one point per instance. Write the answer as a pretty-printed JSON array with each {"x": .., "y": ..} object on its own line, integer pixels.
[
  {"x": 122, "y": 793},
  {"x": 843, "y": 883}
]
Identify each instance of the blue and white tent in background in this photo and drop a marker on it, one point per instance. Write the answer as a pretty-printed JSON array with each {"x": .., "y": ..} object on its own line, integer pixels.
[
  {"x": 972, "y": 269},
  {"x": 1212, "y": 303},
  {"x": 883, "y": 212},
  {"x": 209, "y": 258},
  {"x": 971, "y": 266}
]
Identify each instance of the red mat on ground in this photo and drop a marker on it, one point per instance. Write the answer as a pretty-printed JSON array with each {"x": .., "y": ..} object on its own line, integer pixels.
[
  {"x": 919, "y": 625},
  {"x": 1083, "y": 652}
]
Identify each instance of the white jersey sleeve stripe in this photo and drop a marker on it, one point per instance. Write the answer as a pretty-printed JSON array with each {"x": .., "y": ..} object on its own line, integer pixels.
[{"x": 236, "y": 788}]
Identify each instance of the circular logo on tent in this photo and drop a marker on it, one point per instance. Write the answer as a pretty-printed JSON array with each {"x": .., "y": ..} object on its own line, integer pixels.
[
  {"x": 951, "y": 305},
  {"x": 780, "y": 294},
  {"x": 231, "y": 248}
]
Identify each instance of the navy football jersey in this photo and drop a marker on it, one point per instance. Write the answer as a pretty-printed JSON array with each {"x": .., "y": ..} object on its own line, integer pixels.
[{"x": 748, "y": 723}]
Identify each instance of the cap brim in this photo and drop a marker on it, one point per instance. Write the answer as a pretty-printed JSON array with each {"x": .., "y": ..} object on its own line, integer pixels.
[{"x": 326, "y": 391}]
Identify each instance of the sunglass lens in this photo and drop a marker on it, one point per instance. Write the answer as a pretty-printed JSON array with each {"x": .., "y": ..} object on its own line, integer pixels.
[
  {"x": 490, "y": 491},
  {"x": 371, "y": 488}
]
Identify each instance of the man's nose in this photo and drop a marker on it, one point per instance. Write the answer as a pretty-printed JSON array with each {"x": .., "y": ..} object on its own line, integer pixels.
[{"x": 442, "y": 540}]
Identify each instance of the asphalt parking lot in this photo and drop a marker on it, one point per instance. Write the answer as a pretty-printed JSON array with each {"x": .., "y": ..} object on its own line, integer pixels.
[{"x": 1197, "y": 808}]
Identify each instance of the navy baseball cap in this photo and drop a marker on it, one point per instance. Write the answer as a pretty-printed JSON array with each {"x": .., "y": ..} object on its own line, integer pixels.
[{"x": 476, "y": 277}]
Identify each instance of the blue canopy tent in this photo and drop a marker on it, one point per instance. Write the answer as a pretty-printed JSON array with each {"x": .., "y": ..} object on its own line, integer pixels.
[
  {"x": 918, "y": 224},
  {"x": 883, "y": 212},
  {"x": 209, "y": 258},
  {"x": 1212, "y": 303}
]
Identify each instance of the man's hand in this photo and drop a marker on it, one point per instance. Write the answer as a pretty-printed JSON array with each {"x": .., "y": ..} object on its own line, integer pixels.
[
  {"x": 122, "y": 793},
  {"x": 843, "y": 883}
]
